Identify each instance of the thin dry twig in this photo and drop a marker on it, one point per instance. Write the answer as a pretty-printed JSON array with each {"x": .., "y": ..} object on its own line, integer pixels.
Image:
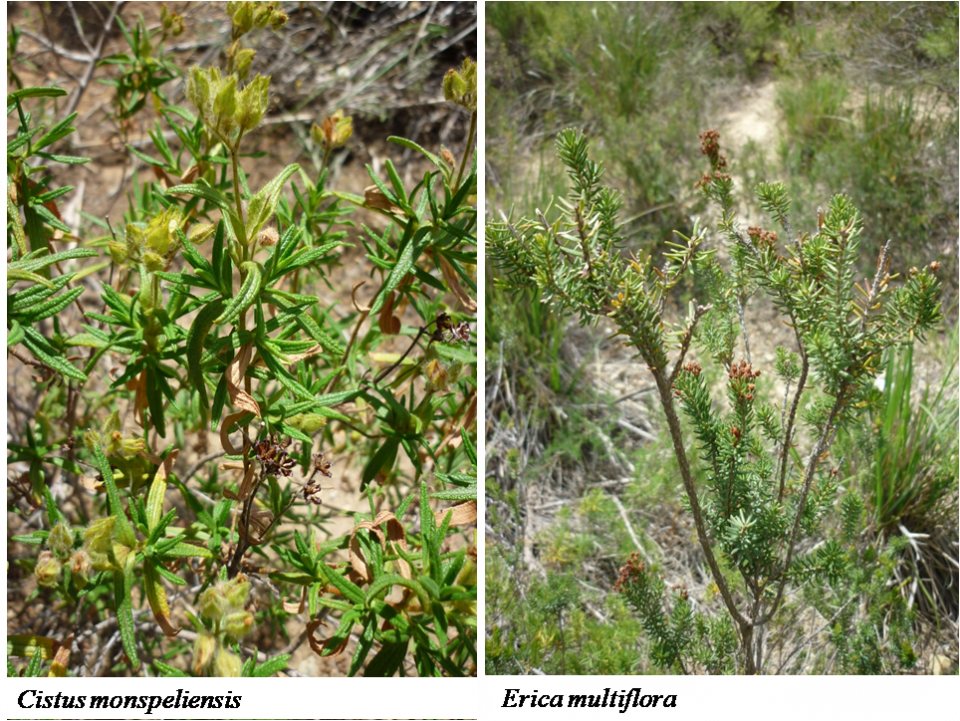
[{"x": 94, "y": 59}]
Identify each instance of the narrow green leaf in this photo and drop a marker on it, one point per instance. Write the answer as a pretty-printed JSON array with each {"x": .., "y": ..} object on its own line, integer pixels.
[
  {"x": 383, "y": 458},
  {"x": 54, "y": 514},
  {"x": 348, "y": 588},
  {"x": 42, "y": 349},
  {"x": 195, "y": 339},
  {"x": 413, "y": 146},
  {"x": 262, "y": 205},
  {"x": 408, "y": 257},
  {"x": 33, "y": 668},
  {"x": 186, "y": 550},
  {"x": 397, "y": 182},
  {"x": 272, "y": 666},
  {"x": 155, "y": 398},
  {"x": 36, "y": 92},
  {"x": 468, "y": 447},
  {"x": 248, "y": 293},
  {"x": 364, "y": 644},
  {"x": 124, "y": 531},
  {"x": 122, "y": 588},
  {"x": 282, "y": 374},
  {"x": 15, "y": 334},
  {"x": 392, "y": 579},
  {"x": 169, "y": 671}
]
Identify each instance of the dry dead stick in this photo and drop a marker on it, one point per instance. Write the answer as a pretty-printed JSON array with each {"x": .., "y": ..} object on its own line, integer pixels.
[{"x": 95, "y": 57}]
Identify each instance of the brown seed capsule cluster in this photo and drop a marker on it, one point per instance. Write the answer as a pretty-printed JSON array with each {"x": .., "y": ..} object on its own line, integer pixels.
[
  {"x": 312, "y": 488},
  {"x": 633, "y": 568},
  {"x": 710, "y": 146},
  {"x": 741, "y": 377},
  {"x": 762, "y": 237},
  {"x": 448, "y": 330},
  {"x": 274, "y": 458},
  {"x": 742, "y": 371},
  {"x": 708, "y": 178}
]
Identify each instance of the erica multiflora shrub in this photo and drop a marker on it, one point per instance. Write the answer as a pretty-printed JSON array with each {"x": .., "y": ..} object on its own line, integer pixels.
[{"x": 771, "y": 483}]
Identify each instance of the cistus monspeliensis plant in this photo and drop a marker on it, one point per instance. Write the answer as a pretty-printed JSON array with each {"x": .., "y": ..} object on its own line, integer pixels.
[
  {"x": 770, "y": 479},
  {"x": 211, "y": 322}
]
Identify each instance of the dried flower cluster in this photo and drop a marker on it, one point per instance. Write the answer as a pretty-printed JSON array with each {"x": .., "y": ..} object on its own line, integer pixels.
[
  {"x": 762, "y": 237},
  {"x": 741, "y": 371},
  {"x": 273, "y": 457},
  {"x": 630, "y": 571},
  {"x": 741, "y": 377},
  {"x": 710, "y": 146},
  {"x": 312, "y": 488},
  {"x": 448, "y": 330},
  {"x": 708, "y": 178}
]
